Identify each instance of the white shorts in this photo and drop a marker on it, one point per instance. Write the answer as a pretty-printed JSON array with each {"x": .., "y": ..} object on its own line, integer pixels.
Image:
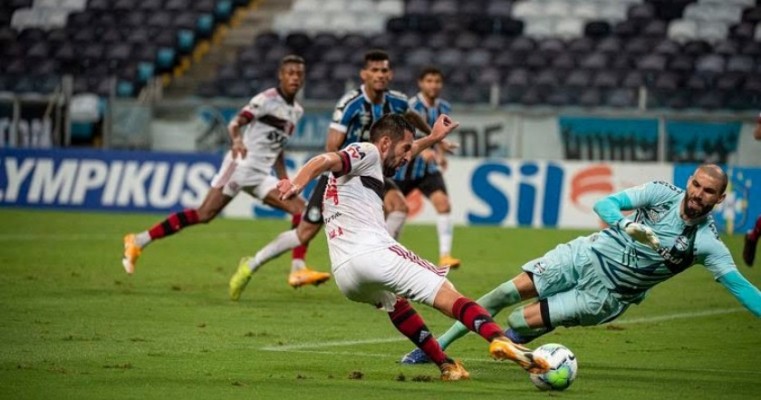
[
  {"x": 378, "y": 277},
  {"x": 233, "y": 177}
]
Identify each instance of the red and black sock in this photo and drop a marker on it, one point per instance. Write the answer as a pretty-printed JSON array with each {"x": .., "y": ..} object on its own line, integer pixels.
[
  {"x": 476, "y": 318},
  {"x": 756, "y": 232},
  {"x": 174, "y": 223},
  {"x": 299, "y": 252},
  {"x": 410, "y": 324}
]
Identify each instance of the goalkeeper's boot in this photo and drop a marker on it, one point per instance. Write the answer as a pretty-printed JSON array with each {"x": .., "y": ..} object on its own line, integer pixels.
[
  {"x": 306, "y": 276},
  {"x": 131, "y": 253},
  {"x": 503, "y": 349},
  {"x": 240, "y": 279},
  {"x": 749, "y": 250},
  {"x": 416, "y": 356},
  {"x": 452, "y": 370},
  {"x": 523, "y": 338},
  {"x": 449, "y": 261}
]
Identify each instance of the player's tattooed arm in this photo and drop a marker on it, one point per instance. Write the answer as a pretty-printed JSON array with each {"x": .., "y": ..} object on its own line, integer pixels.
[{"x": 312, "y": 169}]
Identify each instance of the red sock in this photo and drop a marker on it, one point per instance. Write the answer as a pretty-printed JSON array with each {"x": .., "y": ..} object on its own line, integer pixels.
[
  {"x": 410, "y": 324},
  {"x": 476, "y": 318},
  {"x": 174, "y": 223},
  {"x": 299, "y": 252},
  {"x": 756, "y": 232}
]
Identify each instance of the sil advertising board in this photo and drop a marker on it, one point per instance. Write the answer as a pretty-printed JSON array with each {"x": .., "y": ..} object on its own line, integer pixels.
[{"x": 482, "y": 191}]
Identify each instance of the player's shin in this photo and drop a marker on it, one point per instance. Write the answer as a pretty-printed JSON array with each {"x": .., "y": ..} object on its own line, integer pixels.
[
  {"x": 300, "y": 251},
  {"x": 172, "y": 224},
  {"x": 476, "y": 318},
  {"x": 282, "y": 243},
  {"x": 410, "y": 324},
  {"x": 444, "y": 230}
]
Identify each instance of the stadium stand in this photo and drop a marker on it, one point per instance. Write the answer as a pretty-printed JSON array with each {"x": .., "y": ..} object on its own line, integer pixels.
[
  {"x": 684, "y": 53},
  {"x": 102, "y": 41},
  {"x": 591, "y": 53}
]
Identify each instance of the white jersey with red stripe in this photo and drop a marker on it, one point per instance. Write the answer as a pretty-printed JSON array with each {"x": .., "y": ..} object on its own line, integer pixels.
[
  {"x": 353, "y": 205},
  {"x": 273, "y": 120}
]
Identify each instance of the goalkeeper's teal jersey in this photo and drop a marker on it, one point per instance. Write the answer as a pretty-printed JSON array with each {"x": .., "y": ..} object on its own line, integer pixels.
[{"x": 630, "y": 268}]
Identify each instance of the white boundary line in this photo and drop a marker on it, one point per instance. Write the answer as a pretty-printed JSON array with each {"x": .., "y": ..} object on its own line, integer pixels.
[{"x": 310, "y": 347}]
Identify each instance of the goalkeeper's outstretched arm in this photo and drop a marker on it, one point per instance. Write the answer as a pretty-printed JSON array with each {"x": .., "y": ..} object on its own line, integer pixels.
[{"x": 744, "y": 291}]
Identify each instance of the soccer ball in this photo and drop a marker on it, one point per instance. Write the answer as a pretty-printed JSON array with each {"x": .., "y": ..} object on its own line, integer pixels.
[{"x": 562, "y": 367}]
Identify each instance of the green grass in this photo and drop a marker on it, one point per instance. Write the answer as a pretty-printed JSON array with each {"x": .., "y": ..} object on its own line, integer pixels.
[{"x": 75, "y": 326}]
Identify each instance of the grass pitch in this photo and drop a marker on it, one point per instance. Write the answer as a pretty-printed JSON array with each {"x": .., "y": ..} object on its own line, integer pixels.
[{"x": 75, "y": 326}]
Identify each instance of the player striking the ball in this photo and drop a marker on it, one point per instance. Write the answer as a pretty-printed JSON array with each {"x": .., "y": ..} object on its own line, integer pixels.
[{"x": 370, "y": 266}]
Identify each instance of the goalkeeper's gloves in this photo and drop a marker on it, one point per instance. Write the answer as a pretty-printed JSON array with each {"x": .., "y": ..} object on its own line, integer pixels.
[{"x": 640, "y": 233}]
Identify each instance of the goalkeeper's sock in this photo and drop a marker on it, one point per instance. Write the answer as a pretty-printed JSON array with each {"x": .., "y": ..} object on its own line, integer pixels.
[
  {"x": 502, "y": 296},
  {"x": 282, "y": 243},
  {"x": 410, "y": 324},
  {"x": 476, "y": 318}
]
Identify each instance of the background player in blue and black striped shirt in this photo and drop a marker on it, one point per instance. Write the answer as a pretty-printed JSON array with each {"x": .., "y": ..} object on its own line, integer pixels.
[{"x": 423, "y": 172}]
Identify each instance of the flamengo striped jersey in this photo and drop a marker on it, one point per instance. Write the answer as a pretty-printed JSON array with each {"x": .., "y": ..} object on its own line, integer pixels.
[
  {"x": 417, "y": 168},
  {"x": 630, "y": 268},
  {"x": 353, "y": 205},
  {"x": 354, "y": 113},
  {"x": 273, "y": 121}
]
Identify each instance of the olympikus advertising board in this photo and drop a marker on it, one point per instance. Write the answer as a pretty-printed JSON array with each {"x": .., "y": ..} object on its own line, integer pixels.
[
  {"x": 483, "y": 191},
  {"x": 115, "y": 181}
]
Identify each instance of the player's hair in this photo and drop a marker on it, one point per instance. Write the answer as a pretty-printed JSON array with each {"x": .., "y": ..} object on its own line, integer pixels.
[
  {"x": 291, "y": 59},
  {"x": 376, "y": 55},
  {"x": 391, "y": 125},
  {"x": 430, "y": 70}
]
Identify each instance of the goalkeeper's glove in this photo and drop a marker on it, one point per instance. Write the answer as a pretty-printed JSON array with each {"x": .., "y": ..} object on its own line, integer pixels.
[{"x": 640, "y": 233}]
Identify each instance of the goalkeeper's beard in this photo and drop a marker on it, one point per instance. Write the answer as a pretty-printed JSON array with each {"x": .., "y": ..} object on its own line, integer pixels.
[{"x": 692, "y": 213}]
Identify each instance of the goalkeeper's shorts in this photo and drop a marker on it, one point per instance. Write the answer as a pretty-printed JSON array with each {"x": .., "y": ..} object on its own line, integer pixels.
[{"x": 575, "y": 295}]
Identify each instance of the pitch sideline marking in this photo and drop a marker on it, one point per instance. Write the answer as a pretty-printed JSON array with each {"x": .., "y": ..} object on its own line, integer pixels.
[{"x": 308, "y": 347}]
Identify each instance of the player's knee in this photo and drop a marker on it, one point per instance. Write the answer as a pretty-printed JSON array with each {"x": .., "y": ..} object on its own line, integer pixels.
[
  {"x": 205, "y": 216},
  {"x": 517, "y": 321},
  {"x": 306, "y": 231},
  {"x": 296, "y": 207}
]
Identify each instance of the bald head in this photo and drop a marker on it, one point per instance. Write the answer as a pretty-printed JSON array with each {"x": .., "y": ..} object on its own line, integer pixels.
[{"x": 715, "y": 172}]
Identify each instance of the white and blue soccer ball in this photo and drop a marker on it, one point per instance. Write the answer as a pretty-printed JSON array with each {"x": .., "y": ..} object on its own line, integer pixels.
[{"x": 562, "y": 371}]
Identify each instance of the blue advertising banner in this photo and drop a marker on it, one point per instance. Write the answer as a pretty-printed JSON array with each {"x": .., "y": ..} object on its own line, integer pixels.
[
  {"x": 104, "y": 180},
  {"x": 695, "y": 142},
  {"x": 742, "y": 205},
  {"x": 589, "y": 138}
]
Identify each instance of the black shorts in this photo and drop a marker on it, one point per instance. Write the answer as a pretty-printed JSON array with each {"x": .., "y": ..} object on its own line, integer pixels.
[
  {"x": 314, "y": 206},
  {"x": 428, "y": 184}
]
